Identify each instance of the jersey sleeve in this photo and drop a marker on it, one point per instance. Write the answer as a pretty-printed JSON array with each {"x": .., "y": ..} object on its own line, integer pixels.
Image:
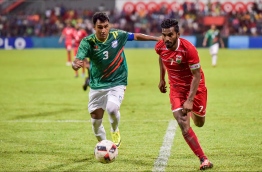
[
  {"x": 83, "y": 49},
  {"x": 193, "y": 58},
  {"x": 123, "y": 34},
  {"x": 157, "y": 47}
]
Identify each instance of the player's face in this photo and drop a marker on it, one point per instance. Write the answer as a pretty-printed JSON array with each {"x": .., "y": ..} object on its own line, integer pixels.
[
  {"x": 170, "y": 37},
  {"x": 102, "y": 30},
  {"x": 213, "y": 27}
]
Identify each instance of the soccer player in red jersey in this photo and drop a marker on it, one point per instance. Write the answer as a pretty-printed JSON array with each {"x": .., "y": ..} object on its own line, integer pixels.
[
  {"x": 68, "y": 35},
  {"x": 79, "y": 34},
  {"x": 188, "y": 93}
]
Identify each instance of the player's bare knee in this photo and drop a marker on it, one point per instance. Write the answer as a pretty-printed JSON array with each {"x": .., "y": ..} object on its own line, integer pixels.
[{"x": 199, "y": 123}]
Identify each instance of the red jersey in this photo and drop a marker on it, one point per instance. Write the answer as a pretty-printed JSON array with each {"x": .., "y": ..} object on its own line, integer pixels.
[
  {"x": 79, "y": 35},
  {"x": 179, "y": 64},
  {"x": 68, "y": 34}
]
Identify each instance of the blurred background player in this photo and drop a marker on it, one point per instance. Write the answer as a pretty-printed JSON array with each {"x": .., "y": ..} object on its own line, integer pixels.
[
  {"x": 188, "y": 92},
  {"x": 68, "y": 36},
  {"x": 212, "y": 39},
  {"x": 79, "y": 34}
]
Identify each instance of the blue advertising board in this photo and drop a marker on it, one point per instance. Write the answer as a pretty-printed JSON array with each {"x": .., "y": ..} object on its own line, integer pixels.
[
  {"x": 238, "y": 42},
  {"x": 16, "y": 43},
  {"x": 234, "y": 42},
  {"x": 255, "y": 42}
]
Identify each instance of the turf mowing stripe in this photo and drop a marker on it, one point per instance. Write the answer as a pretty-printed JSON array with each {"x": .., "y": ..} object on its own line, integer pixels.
[
  {"x": 165, "y": 149},
  {"x": 48, "y": 121},
  {"x": 70, "y": 121}
]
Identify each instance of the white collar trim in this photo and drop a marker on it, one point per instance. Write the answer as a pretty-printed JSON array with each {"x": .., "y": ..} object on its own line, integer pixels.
[{"x": 178, "y": 44}]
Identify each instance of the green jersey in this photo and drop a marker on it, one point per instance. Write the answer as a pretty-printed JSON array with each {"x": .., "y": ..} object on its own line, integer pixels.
[
  {"x": 108, "y": 67},
  {"x": 212, "y": 36}
]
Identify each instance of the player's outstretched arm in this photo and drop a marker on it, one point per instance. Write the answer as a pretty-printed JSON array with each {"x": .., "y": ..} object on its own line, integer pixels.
[{"x": 144, "y": 37}]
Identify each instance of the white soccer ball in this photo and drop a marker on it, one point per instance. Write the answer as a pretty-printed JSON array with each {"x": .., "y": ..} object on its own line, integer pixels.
[{"x": 106, "y": 151}]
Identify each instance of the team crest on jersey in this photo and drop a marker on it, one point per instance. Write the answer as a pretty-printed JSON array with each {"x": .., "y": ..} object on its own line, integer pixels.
[
  {"x": 178, "y": 59},
  {"x": 114, "y": 44}
]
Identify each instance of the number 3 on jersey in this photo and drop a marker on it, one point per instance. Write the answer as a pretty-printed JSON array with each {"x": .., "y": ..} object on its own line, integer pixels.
[{"x": 106, "y": 55}]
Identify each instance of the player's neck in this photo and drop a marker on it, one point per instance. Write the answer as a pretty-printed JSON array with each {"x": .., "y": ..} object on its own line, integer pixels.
[
  {"x": 175, "y": 47},
  {"x": 102, "y": 40}
]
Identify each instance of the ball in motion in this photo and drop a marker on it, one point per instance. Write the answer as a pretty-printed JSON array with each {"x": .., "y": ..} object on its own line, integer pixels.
[{"x": 106, "y": 151}]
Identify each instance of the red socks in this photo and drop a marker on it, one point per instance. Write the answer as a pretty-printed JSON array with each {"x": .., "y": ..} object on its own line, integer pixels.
[{"x": 193, "y": 143}]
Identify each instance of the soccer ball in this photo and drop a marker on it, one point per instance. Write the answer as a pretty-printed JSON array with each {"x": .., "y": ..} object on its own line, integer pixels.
[{"x": 106, "y": 151}]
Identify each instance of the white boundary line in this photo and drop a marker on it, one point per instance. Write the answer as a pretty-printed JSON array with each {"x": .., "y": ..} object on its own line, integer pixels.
[{"x": 164, "y": 153}]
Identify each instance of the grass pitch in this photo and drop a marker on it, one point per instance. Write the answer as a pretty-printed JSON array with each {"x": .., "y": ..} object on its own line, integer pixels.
[{"x": 44, "y": 123}]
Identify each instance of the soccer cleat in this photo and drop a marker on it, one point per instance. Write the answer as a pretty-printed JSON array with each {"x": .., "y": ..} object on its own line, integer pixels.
[
  {"x": 68, "y": 63},
  {"x": 86, "y": 84},
  {"x": 205, "y": 164},
  {"x": 116, "y": 138}
]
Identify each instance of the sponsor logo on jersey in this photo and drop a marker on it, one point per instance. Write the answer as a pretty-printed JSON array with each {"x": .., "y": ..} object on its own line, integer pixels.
[
  {"x": 178, "y": 59},
  {"x": 114, "y": 44},
  {"x": 96, "y": 48}
]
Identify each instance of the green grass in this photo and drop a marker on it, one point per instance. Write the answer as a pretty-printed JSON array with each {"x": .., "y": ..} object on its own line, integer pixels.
[{"x": 44, "y": 123}]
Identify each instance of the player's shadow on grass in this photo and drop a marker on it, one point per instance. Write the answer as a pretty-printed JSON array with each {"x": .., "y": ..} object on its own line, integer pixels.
[
  {"x": 76, "y": 165},
  {"x": 52, "y": 113}
]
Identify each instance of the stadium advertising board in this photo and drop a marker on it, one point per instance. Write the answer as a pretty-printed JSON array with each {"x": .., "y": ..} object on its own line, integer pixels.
[
  {"x": 151, "y": 5},
  {"x": 15, "y": 43}
]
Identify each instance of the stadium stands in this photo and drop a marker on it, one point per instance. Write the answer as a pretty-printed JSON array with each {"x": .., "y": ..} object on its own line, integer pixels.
[{"x": 46, "y": 18}]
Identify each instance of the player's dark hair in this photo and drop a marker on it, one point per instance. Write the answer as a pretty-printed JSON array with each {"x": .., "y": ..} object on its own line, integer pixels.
[
  {"x": 167, "y": 23},
  {"x": 100, "y": 16}
]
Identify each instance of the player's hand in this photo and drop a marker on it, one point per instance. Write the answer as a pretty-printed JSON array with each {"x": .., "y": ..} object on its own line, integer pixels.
[
  {"x": 187, "y": 106},
  {"x": 162, "y": 86},
  {"x": 77, "y": 63}
]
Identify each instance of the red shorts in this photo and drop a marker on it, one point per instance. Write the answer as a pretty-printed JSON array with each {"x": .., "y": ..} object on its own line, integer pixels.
[
  {"x": 68, "y": 46},
  {"x": 177, "y": 100}
]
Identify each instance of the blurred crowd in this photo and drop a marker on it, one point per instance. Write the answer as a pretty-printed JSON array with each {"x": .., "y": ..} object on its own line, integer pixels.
[{"x": 51, "y": 23}]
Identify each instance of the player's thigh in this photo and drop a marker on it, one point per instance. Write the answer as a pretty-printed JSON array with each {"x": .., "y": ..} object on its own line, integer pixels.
[
  {"x": 116, "y": 94},
  {"x": 97, "y": 99},
  {"x": 200, "y": 102}
]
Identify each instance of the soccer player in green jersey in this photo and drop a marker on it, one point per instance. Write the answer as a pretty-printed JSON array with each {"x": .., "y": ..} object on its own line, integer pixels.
[
  {"x": 212, "y": 39},
  {"x": 108, "y": 72}
]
